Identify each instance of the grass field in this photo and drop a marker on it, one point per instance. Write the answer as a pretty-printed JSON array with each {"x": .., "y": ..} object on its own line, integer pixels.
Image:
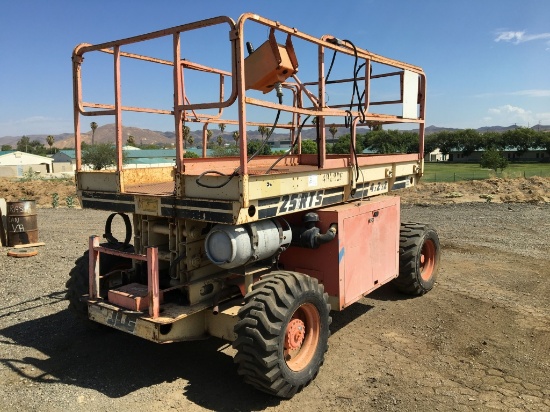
[{"x": 454, "y": 172}]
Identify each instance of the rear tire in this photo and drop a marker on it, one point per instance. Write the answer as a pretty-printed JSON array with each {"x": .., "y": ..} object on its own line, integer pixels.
[
  {"x": 78, "y": 283},
  {"x": 419, "y": 254},
  {"x": 282, "y": 334}
]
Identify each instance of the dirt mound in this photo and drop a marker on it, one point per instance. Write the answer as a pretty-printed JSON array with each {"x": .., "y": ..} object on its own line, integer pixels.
[
  {"x": 40, "y": 190},
  {"x": 531, "y": 190}
]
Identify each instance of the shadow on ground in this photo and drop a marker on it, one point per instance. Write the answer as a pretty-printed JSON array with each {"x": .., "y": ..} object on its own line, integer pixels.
[{"x": 116, "y": 364}]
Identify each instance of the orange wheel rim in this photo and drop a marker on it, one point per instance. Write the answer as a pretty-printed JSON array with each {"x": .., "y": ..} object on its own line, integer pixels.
[
  {"x": 427, "y": 260},
  {"x": 302, "y": 337}
]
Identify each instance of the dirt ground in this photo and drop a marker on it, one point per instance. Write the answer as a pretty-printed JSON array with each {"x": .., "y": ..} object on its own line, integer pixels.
[{"x": 479, "y": 341}]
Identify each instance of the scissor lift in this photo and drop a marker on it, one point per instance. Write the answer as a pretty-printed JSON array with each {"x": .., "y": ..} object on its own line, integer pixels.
[{"x": 254, "y": 249}]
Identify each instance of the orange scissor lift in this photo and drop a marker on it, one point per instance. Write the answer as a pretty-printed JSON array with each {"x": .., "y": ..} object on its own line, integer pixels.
[{"x": 255, "y": 249}]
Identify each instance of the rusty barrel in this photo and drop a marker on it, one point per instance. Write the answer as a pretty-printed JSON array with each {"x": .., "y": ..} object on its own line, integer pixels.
[{"x": 22, "y": 225}]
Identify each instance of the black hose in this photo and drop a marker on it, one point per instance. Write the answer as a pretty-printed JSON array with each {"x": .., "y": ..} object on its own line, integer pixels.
[
  {"x": 231, "y": 176},
  {"x": 355, "y": 88},
  {"x": 331, "y": 64}
]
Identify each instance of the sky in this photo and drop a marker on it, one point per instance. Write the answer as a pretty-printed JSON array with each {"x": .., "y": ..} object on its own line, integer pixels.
[{"x": 487, "y": 61}]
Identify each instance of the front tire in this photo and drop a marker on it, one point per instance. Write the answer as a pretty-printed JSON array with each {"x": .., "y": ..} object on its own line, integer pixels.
[
  {"x": 282, "y": 334},
  {"x": 419, "y": 254}
]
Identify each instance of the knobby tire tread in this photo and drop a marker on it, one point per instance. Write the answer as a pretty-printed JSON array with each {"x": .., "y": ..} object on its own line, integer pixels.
[
  {"x": 410, "y": 239},
  {"x": 262, "y": 320}
]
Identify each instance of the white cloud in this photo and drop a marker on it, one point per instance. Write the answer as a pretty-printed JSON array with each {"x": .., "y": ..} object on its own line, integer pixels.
[
  {"x": 509, "y": 36},
  {"x": 509, "y": 114},
  {"x": 517, "y": 37},
  {"x": 507, "y": 108},
  {"x": 532, "y": 93}
]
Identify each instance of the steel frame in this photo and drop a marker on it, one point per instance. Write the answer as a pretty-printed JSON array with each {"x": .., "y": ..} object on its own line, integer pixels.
[
  {"x": 257, "y": 192},
  {"x": 184, "y": 110}
]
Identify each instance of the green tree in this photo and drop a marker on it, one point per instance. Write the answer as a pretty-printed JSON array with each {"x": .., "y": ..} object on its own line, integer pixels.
[
  {"x": 131, "y": 141},
  {"x": 209, "y": 134},
  {"x": 342, "y": 145},
  {"x": 430, "y": 143},
  {"x": 28, "y": 146},
  {"x": 6, "y": 148},
  {"x": 253, "y": 146},
  {"x": 223, "y": 151},
  {"x": 50, "y": 140},
  {"x": 521, "y": 138},
  {"x": 543, "y": 141},
  {"x": 190, "y": 155},
  {"x": 393, "y": 141},
  {"x": 492, "y": 140},
  {"x": 492, "y": 159},
  {"x": 23, "y": 144},
  {"x": 446, "y": 142},
  {"x": 236, "y": 137},
  {"x": 93, "y": 126},
  {"x": 99, "y": 156},
  {"x": 36, "y": 147},
  {"x": 309, "y": 146},
  {"x": 467, "y": 141},
  {"x": 220, "y": 140},
  {"x": 222, "y": 128}
]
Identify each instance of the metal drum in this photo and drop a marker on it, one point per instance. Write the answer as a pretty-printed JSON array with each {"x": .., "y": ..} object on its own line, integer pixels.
[{"x": 21, "y": 222}]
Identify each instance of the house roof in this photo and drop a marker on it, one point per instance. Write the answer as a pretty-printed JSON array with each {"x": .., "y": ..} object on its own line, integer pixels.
[
  {"x": 70, "y": 153},
  {"x": 148, "y": 160},
  {"x": 506, "y": 149},
  {"x": 7, "y": 155},
  {"x": 152, "y": 153}
]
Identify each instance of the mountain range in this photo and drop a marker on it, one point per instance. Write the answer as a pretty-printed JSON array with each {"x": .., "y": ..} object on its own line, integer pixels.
[{"x": 106, "y": 133}]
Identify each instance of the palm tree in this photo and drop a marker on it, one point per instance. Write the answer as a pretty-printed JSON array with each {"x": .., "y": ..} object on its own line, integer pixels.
[
  {"x": 131, "y": 140},
  {"x": 50, "y": 139},
  {"x": 333, "y": 130},
  {"x": 186, "y": 133},
  {"x": 222, "y": 128},
  {"x": 190, "y": 140},
  {"x": 209, "y": 134},
  {"x": 263, "y": 131},
  {"x": 236, "y": 137},
  {"x": 374, "y": 126},
  {"x": 93, "y": 125}
]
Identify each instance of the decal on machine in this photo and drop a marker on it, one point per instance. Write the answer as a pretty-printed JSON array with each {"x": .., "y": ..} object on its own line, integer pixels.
[
  {"x": 122, "y": 321},
  {"x": 299, "y": 201},
  {"x": 378, "y": 187}
]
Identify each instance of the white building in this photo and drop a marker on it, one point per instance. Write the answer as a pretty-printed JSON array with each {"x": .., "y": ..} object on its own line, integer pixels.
[{"x": 15, "y": 163}]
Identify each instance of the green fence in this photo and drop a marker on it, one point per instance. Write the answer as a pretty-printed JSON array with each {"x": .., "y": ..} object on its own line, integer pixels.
[{"x": 481, "y": 174}]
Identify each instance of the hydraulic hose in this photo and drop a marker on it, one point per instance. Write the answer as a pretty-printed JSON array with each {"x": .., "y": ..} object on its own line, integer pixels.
[{"x": 327, "y": 237}]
